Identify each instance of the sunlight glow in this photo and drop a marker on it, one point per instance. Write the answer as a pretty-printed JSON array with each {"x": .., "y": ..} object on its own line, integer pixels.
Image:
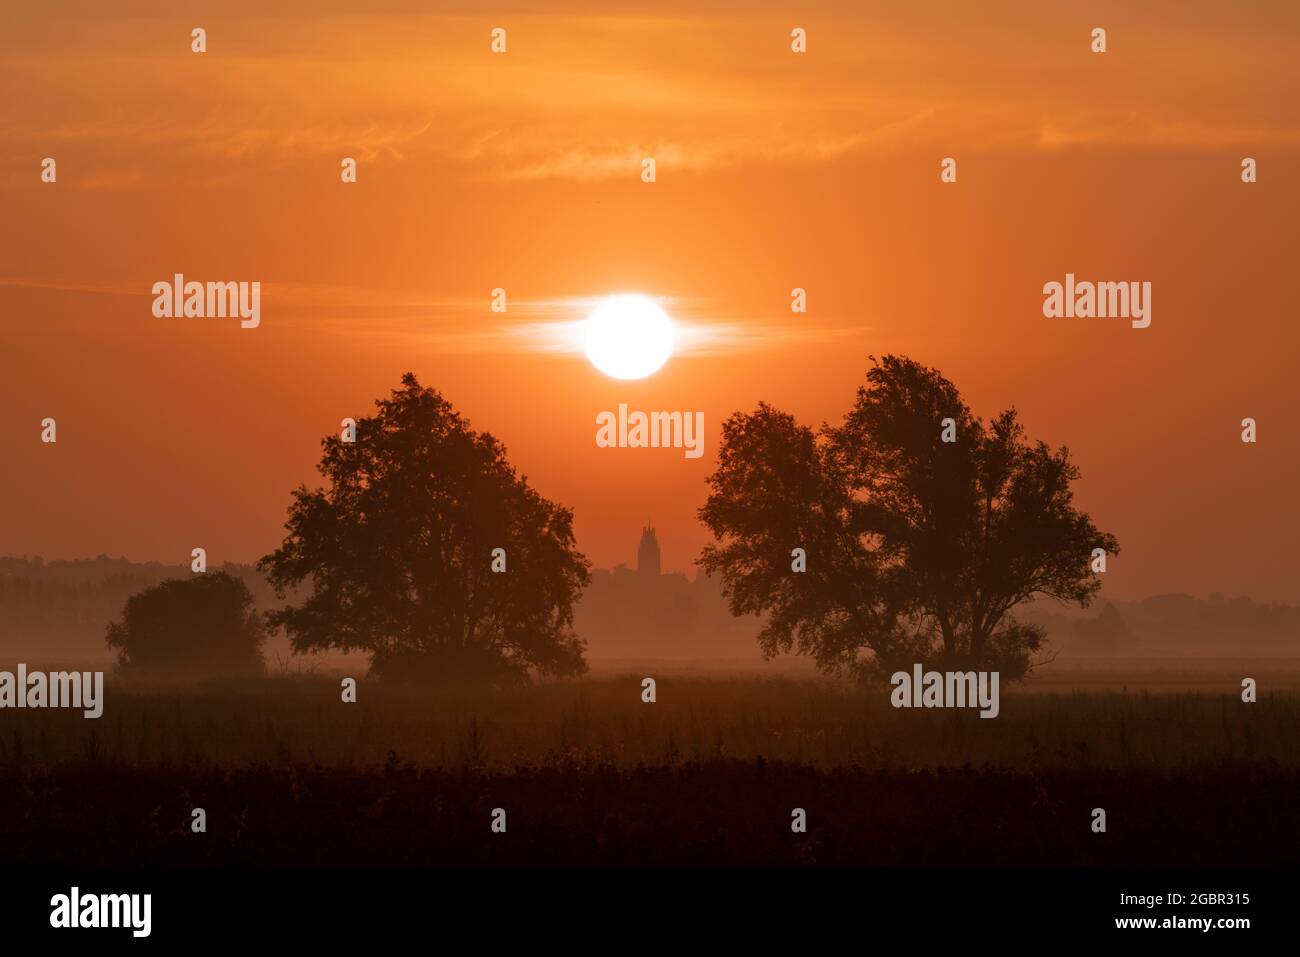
[{"x": 629, "y": 337}]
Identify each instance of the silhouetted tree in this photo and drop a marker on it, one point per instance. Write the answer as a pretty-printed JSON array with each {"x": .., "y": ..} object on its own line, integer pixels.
[
  {"x": 917, "y": 549},
  {"x": 202, "y": 626},
  {"x": 399, "y": 551}
]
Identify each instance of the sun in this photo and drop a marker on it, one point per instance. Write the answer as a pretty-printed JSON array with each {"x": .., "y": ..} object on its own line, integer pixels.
[{"x": 629, "y": 337}]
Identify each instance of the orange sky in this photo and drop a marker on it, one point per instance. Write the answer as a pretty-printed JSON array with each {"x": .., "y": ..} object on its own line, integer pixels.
[{"x": 522, "y": 171}]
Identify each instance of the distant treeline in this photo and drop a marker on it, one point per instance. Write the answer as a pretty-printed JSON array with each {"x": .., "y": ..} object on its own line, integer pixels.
[
  {"x": 61, "y": 609},
  {"x": 1177, "y": 625},
  {"x": 629, "y": 614}
]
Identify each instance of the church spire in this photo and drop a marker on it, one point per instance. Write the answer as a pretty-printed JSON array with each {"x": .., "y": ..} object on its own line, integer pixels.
[{"x": 647, "y": 553}]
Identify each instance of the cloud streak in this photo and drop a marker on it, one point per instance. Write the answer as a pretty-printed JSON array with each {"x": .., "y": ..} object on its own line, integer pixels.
[
  {"x": 460, "y": 326},
  {"x": 585, "y": 98}
]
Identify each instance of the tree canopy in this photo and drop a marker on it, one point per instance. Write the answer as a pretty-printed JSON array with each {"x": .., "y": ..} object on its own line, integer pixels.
[
  {"x": 400, "y": 548},
  {"x": 203, "y": 626},
  {"x": 917, "y": 549}
]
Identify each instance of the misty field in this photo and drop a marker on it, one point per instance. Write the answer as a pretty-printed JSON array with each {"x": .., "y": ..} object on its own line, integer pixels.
[
  {"x": 602, "y": 721},
  {"x": 587, "y": 772}
]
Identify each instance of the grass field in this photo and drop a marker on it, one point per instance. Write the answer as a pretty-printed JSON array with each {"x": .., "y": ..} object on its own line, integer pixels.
[
  {"x": 280, "y": 722},
  {"x": 710, "y": 772}
]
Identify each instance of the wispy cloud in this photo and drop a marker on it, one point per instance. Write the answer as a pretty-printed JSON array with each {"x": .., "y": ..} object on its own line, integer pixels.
[
  {"x": 586, "y": 96},
  {"x": 460, "y": 326}
]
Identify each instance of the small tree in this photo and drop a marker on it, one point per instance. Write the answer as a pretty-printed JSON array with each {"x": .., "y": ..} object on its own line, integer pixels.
[
  {"x": 918, "y": 549},
  {"x": 192, "y": 627},
  {"x": 400, "y": 552}
]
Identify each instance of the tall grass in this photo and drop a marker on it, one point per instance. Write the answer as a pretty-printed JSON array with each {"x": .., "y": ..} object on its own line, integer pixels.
[{"x": 295, "y": 721}]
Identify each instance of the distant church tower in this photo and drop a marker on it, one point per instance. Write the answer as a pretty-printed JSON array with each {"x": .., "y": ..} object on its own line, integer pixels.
[{"x": 647, "y": 553}]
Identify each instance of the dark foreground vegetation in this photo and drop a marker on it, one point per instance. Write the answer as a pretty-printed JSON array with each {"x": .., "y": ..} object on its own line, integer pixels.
[
  {"x": 586, "y": 772},
  {"x": 716, "y": 812}
]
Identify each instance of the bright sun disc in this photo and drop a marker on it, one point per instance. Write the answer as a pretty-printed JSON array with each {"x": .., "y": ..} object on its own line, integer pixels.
[{"x": 629, "y": 337}]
